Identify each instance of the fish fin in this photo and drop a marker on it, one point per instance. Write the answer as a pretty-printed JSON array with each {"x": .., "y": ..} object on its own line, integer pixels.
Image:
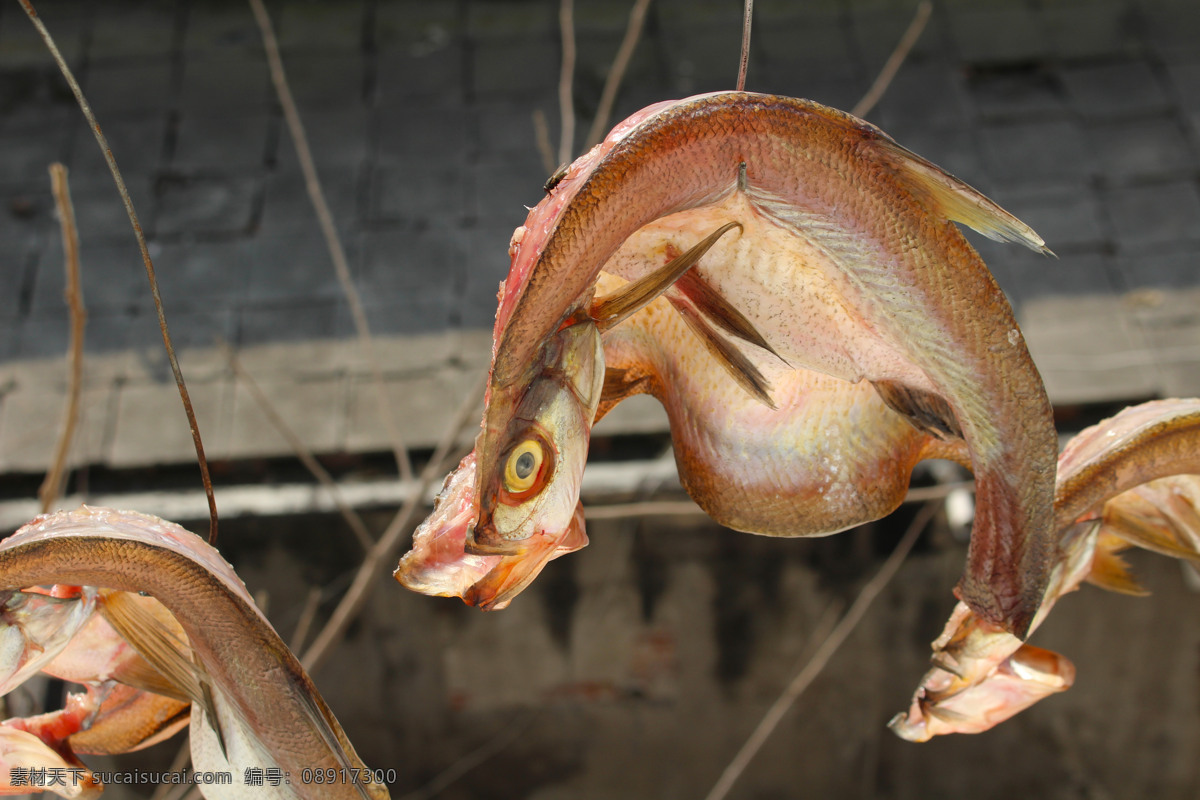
[
  {"x": 926, "y": 411},
  {"x": 163, "y": 649},
  {"x": 575, "y": 537},
  {"x": 331, "y": 733},
  {"x": 959, "y": 201},
  {"x": 1111, "y": 572},
  {"x": 739, "y": 366},
  {"x": 1124, "y": 518},
  {"x": 618, "y": 385},
  {"x": 141, "y": 674},
  {"x": 610, "y": 310},
  {"x": 210, "y": 712},
  {"x": 712, "y": 305},
  {"x": 948, "y": 449}
]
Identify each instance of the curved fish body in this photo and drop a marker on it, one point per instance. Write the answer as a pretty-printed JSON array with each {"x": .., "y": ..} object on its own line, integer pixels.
[
  {"x": 1140, "y": 444},
  {"x": 847, "y": 263},
  {"x": 253, "y": 704},
  {"x": 1133, "y": 480}
]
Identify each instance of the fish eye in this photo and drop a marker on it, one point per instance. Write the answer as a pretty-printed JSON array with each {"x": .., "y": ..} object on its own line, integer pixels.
[{"x": 523, "y": 467}]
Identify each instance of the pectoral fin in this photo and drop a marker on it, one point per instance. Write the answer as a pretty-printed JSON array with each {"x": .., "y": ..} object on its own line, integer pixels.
[
  {"x": 141, "y": 674},
  {"x": 1153, "y": 524},
  {"x": 618, "y": 385},
  {"x": 612, "y": 309},
  {"x": 162, "y": 648}
]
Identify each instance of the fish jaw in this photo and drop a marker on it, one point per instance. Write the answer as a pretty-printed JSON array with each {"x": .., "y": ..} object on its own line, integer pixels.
[
  {"x": 129, "y": 720},
  {"x": 512, "y": 574},
  {"x": 438, "y": 563}
]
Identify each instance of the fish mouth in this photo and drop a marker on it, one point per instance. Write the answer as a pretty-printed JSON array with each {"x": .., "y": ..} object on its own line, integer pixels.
[
  {"x": 483, "y": 539},
  {"x": 505, "y": 581},
  {"x": 442, "y": 563},
  {"x": 489, "y": 582},
  {"x": 511, "y": 574}
]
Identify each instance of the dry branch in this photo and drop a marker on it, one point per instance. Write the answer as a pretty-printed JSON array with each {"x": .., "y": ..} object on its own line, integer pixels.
[
  {"x": 388, "y": 546},
  {"x": 491, "y": 747},
  {"x": 307, "y": 614},
  {"x": 141, "y": 240},
  {"x": 337, "y": 252},
  {"x": 56, "y": 476},
  {"x": 541, "y": 134},
  {"x": 884, "y": 79},
  {"x": 744, "y": 63},
  {"x": 616, "y": 73},
  {"x": 566, "y": 77}
]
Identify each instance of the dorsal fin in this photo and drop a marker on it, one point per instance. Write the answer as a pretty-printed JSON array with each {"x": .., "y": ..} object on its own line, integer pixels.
[{"x": 956, "y": 200}]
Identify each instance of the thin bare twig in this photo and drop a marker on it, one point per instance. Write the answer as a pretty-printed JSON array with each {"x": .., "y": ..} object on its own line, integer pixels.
[
  {"x": 307, "y": 614},
  {"x": 566, "y": 76},
  {"x": 299, "y": 449},
  {"x": 830, "y": 646},
  {"x": 616, "y": 73},
  {"x": 56, "y": 476},
  {"x": 892, "y": 66},
  {"x": 541, "y": 134},
  {"x": 744, "y": 62},
  {"x": 337, "y": 253},
  {"x": 388, "y": 545},
  {"x": 141, "y": 240}
]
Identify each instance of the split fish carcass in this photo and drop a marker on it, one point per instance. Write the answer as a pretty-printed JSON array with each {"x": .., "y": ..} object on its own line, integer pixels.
[
  {"x": 790, "y": 283},
  {"x": 196, "y": 652}
]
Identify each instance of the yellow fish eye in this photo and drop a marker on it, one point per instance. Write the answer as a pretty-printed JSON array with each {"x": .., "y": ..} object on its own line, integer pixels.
[{"x": 523, "y": 466}]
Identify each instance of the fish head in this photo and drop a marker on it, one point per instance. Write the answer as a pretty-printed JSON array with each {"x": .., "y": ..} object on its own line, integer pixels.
[
  {"x": 438, "y": 563},
  {"x": 512, "y": 505},
  {"x": 531, "y": 453}
]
